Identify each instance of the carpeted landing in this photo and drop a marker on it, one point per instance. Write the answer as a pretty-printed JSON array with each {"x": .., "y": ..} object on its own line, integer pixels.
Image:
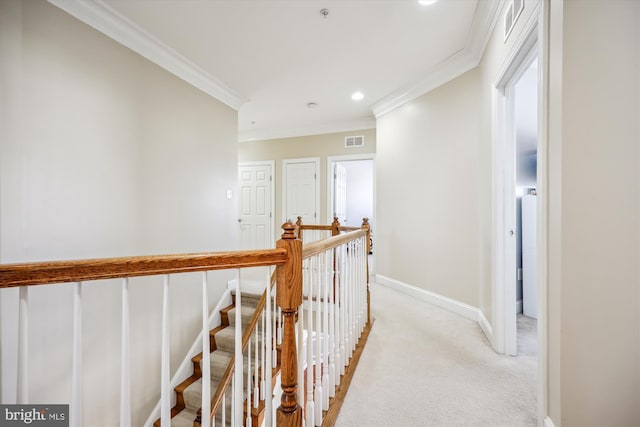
[{"x": 425, "y": 366}]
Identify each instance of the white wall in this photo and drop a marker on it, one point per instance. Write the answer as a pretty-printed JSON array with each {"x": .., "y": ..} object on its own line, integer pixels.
[
  {"x": 427, "y": 191},
  {"x": 102, "y": 153},
  {"x": 594, "y": 214}
]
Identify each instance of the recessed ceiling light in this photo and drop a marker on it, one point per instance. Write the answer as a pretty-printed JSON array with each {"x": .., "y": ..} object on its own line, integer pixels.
[
  {"x": 312, "y": 104},
  {"x": 357, "y": 96},
  {"x": 427, "y": 2}
]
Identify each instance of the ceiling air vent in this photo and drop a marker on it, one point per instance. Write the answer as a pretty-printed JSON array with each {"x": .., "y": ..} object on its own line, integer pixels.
[
  {"x": 354, "y": 141},
  {"x": 511, "y": 16}
]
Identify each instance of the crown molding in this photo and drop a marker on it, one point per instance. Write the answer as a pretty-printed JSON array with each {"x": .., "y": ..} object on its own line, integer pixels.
[
  {"x": 484, "y": 20},
  {"x": 334, "y": 127},
  {"x": 105, "y": 19},
  {"x": 445, "y": 71}
]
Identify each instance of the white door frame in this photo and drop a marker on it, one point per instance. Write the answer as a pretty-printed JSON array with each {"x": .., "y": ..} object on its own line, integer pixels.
[
  {"x": 504, "y": 152},
  {"x": 346, "y": 158},
  {"x": 531, "y": 41},
  {"x": 272, "y": 164},
  {"x": 285, "y": 162}
]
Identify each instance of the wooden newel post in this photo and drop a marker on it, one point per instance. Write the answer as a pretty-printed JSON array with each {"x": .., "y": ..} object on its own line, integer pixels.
[
  {"x": 289, "y": 298},
  {"x": 335, "y": 226},
  {"x": 367, "y": 226}
]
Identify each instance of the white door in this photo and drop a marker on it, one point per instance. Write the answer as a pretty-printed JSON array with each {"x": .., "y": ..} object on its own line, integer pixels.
[
  {"x": 340, "y": 193},
  {"x": 256, "y": 219},
  {"x": 301, "y": 191}
]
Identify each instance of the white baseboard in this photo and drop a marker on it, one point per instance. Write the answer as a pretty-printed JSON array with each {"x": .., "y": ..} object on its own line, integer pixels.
[
  {"x": 547, "y": 422},
  {"x": 486, "y": 327},
  {"x": 447, "y": 303},
  {"x": 460, "y": 308}
]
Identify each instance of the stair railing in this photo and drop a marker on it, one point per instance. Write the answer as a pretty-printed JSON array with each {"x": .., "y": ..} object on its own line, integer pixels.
[
  {"x": 260, "y": 336},
  {"x": 329, "y": 275},
  {"x": 27, "y": 275}
]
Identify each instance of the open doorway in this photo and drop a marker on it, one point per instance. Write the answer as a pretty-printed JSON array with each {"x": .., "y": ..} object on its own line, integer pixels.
[
  {"x": 351, "y": 192},
  {"x": 525, "y": 119},
  {"x": 516, "y": 174}
]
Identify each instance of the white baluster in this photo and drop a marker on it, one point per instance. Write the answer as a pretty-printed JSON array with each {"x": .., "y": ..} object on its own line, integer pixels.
[
  {"x": 354, "y": 287},
  {"x": 338, "y": 321},
  {"x": 350, "y": 299},
  {"x": 268, "y": 362},
  {"x": 274, "y": 331},
  {"x": 223, "y": 419},
  {"x": 256, "y": 374},
  {"x": 233, "y": 401},
  {"x": 359, "y": 288},
  {"x": 23, "y": 346},
  {"x": 332, "y": 329},
  {"x": 263, "y": 347},
  {"x": 237, "y": 396},
  {"x": 344, "y": 318},
  {"x": 310, "y": 416},
  {"x": 318, "y": 350},
  {"x": 362, "y": 284},
  {"x": 165, "y": 391},
  {"x": 125, "y": 386},
  {"x": 75, "y": 417},
  {"x": 325, "y": 336},
  {"x": 356, "y": 293},
  {"x": 206, "y": 357},
  {"x": 248, "y": 422},
  {"x": 300, "y": 344}
]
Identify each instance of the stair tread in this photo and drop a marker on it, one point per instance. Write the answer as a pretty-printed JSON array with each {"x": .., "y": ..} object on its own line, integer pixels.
[
  {"x": 246, "y": 312},
  {"x": 193, "y": 394},
  {"x": 183, "y": 418},
  {"x": 219, "y": 361}
]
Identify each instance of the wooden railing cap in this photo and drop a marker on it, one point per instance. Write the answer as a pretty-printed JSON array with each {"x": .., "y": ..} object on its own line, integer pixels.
[{"x": 289, "y": 230}]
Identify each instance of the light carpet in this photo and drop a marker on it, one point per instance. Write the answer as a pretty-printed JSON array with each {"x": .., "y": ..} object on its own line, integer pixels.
[{"x": 425, "y": 366}]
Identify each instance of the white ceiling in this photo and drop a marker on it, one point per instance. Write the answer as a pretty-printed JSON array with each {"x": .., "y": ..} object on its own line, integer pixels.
[{"x": 270, "y": 58}]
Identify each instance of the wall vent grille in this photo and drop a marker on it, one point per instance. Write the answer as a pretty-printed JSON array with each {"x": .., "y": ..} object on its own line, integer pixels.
[{"x": 354, "y": 141}]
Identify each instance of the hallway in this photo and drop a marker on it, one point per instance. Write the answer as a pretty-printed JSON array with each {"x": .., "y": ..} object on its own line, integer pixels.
[{"x": 425, "y": 366}]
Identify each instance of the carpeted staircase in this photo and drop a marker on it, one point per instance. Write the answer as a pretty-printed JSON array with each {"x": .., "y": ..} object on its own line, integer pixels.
[{"x": 222, "y": 344}]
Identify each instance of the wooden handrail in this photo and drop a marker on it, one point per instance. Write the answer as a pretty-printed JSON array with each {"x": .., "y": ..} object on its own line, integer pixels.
[
  {"x": 41, "y": 273},
  {"x": 315, "y": 227},
  {"x": 286, "y": 257},
  {"x": 315, "y": 248}
]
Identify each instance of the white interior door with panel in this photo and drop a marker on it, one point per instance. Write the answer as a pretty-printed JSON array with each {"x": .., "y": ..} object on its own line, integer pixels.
[
  {"x": 301, "y": 191},
  {"x": 256, "y": 205}
]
